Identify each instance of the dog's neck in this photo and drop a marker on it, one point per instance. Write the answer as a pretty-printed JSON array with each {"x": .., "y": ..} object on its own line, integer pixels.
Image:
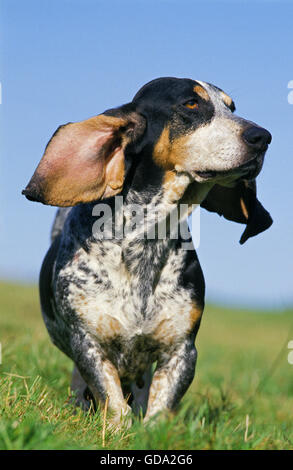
[
  {"x": 155, "y": 211},
  {"x": 136, "y": 216},
  {"x": 144, "y": 250},
  {"x": 178, "y": 192}
]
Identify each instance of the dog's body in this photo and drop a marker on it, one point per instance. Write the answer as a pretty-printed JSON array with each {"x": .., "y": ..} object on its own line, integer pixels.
[{"x": 117, "y": 306}]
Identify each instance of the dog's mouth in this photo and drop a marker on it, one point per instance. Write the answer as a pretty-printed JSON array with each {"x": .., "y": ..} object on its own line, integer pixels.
[{"x": 249, "y": 170}]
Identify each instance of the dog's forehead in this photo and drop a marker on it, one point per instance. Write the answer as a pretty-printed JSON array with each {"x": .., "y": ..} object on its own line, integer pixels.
[
  {"x": 217, "y": 95},
  {"x": 165, "y": 88},
  {"x": 170, "y": 89}
]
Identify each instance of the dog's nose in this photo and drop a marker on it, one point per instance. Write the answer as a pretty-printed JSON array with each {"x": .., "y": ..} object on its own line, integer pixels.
[{"x": 257, "y": 137}]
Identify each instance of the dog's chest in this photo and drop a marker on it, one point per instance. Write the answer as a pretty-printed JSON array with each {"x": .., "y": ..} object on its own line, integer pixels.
[{"x": 126, "y": 293}]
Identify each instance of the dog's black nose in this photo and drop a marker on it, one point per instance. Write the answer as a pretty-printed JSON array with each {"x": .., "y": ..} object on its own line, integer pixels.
[{"x": 257, "y": 137}]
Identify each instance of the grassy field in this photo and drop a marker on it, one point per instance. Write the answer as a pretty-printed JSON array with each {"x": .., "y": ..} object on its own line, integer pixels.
[{"x": 241, "y": 398}]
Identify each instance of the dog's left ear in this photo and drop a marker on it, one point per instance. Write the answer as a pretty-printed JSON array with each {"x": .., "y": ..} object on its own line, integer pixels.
[
  {"x": 239, "y": 204},
  {"x": 85, "y": 161}
]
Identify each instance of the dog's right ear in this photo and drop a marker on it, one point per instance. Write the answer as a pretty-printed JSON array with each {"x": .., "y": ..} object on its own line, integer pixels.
[
  {"x": 84, "y": 161},
  {"x": 239, "y": 204}
]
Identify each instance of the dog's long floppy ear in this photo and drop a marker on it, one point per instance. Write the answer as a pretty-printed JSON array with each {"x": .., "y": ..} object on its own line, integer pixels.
[
  {"x": 239, "y": 204},
  {"x": 84, "y": 161}
]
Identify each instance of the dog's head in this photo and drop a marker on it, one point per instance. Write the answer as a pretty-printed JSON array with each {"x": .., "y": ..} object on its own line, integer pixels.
[{"x": 184, "y": 127}]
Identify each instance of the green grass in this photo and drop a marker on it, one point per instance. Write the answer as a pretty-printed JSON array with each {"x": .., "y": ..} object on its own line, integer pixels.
[{"x": 241, "y": 398}]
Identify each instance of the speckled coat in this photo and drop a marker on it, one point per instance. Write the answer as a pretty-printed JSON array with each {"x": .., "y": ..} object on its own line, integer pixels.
[{"x": 118, "y": 306}]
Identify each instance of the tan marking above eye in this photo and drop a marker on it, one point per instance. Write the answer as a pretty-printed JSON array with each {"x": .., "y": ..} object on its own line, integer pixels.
[
  {"x": 201, "y": 92},
  {"x": 227, "y": 99}
]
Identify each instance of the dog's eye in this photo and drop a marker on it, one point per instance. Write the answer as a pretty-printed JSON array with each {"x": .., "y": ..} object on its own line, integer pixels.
[{"x": 191, "y": 104}]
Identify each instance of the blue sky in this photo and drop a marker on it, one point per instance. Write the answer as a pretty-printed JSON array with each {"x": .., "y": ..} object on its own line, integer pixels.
[{"x": 66, "y": 60}]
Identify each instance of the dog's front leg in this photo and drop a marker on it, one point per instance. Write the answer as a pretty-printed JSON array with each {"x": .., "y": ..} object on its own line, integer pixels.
[
  {"x": 100, "y": 375},
  {"x": 172, "y": 378}
]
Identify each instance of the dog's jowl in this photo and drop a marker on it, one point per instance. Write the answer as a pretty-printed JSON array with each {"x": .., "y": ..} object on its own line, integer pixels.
[{"x": 117, "y": 305}]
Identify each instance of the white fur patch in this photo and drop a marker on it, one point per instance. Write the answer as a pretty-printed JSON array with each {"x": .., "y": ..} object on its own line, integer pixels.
[{"x": 217, "y": 145}]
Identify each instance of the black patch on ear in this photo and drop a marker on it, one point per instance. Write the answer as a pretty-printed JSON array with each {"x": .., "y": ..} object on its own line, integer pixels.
[
  {"x": 137, "y": 122},
  {"x": 259, "y": 221},
  {"x": 229, "y": 202},
  {"x": 33, "y": 190}
]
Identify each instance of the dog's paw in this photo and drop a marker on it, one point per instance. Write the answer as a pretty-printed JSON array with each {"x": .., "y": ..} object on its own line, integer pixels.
[{"x": 118, "y": 421}]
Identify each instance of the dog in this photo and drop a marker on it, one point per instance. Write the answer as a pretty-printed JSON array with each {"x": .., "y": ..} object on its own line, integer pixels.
[{"x": 127, "y": 309}]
